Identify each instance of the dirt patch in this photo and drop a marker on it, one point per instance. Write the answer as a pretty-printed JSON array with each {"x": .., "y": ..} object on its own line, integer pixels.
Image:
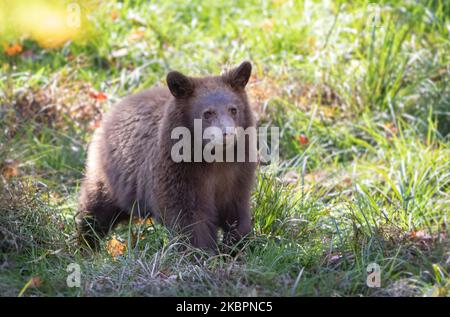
[
  {"x": 59, "y": 104},
  {"x": 264, "y": 89}
]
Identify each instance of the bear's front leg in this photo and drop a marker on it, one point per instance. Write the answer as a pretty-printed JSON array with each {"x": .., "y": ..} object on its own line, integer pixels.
[
  {"x": 97, "y": 213},
  {"x": 235, "y": 220},
  {"x": 197, "y": 226},
  {"x": 203, "y": 233},
  {"x": 234, "y": 207},
  {"x": 236, "y": 229},
  {"x": 191, "y": 213}
]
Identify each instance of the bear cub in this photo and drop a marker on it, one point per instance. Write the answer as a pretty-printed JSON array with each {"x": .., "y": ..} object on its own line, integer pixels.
[{"x": 130, "y": 170}]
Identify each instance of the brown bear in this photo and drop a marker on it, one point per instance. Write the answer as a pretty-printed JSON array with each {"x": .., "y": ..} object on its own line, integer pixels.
[{"x": 130, "y": 169}]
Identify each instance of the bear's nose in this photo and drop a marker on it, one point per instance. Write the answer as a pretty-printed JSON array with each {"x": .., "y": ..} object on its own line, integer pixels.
[{"x": 228, "y": 136}]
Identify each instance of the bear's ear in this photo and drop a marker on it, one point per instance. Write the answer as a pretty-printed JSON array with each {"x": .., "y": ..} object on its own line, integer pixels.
[
  {"x": 179, "y": 85},
  {"x": 239, "y": 76}
]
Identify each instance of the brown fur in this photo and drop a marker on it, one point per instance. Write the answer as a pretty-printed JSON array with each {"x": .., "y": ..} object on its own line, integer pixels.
[{"x": 129, "y": 165}]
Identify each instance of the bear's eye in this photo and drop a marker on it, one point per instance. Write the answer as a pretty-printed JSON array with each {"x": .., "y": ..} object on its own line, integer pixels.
[
  {"x": 233, "y": 111},
  {"x": 207, "y": 114}
]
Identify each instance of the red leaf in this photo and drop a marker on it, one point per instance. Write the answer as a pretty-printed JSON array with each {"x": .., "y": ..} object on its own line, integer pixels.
[
  {"x": 420, "y": 235},
  {"x": 303, "y": 139},
  {"x": 99, "y": 96},
  {"x": 12, "y": 50}
]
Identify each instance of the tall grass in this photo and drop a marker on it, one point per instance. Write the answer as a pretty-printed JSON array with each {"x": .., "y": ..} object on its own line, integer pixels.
[{"x": 362, "y": 104}]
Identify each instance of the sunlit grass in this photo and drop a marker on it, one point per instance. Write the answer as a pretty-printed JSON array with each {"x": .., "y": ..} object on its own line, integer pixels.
[{"x": 368, "y": 182}]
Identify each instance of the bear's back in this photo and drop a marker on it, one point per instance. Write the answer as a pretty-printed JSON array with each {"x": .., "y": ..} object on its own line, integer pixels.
[{"x": 129, "y": 143}]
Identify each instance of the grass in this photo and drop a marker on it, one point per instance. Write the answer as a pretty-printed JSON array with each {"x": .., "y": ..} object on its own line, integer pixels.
[{"x": 370, "y": 92}]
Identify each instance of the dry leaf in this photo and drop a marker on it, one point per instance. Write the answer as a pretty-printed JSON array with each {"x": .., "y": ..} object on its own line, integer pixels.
[
  {"x": 12, "y": 50},
  {"x": 146, "y": 221},
  {"x": 115, "y": 247},
  {"x": 347, "y": 180},
  {"x": 114, "y": 15},
  {"x": 312, "y": 41},
  {"x": 136, "y": 35},
  {"x": 420, "y": 235},
  {"x": 10, "y": 169},
  {"x": 99, "y": 96},
  {"x": 36, "y": 282}
]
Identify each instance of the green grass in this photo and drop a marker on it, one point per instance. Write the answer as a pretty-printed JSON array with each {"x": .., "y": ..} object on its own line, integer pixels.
[{"x": 371, "y": 185}]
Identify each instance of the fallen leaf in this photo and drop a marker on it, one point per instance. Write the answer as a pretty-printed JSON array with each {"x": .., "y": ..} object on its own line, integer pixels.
[
  {"x": 145, "y": 221},
  {"x": 99, "y": 96},
  {"x": 303, "y": 139},
  {"x": 36, "y": 282},
  {"x": 114, "y": 15},
  {"x": 10, "y": 169},
  {"x": 347, "y": 180},
  {"x": 12, "y": 50},
  {"x": 420, "y": 235},
  {"x": 136, "y": 35},
  {"x": 312, "y": 41},
  {"x": 115, "y": 247}
]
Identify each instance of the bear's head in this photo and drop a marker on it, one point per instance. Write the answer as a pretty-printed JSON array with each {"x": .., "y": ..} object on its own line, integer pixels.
[{"x": 219, "y": 103}]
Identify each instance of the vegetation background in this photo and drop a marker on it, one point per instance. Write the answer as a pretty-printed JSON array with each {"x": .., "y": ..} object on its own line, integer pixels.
[{"x": 360, "y": 92}]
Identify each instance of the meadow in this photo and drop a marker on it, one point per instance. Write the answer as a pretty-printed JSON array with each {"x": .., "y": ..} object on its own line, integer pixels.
[{"x": 360, "y": 92}]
